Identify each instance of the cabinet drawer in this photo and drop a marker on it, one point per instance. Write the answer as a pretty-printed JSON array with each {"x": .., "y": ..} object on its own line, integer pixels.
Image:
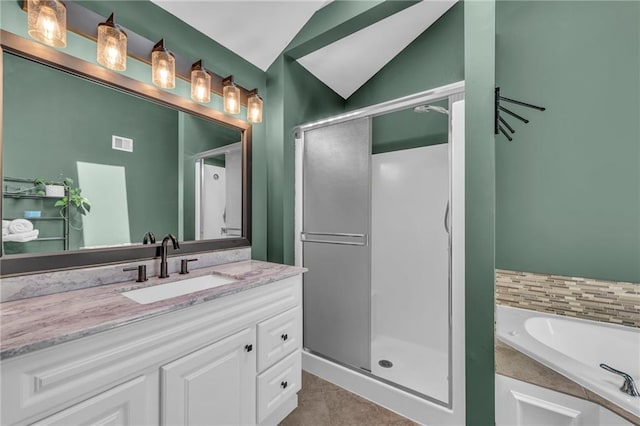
[
  {"x": 278, "y": 336},
  {"x": 122, "y": 405},
  {"x": 278, "y": 384}
]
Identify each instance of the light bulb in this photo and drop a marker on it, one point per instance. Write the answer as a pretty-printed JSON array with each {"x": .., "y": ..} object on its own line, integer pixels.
[
  {"x": 112, "y": 45},
  {"x": 200, "y": 83},
  {"x": 163, "y": 71},
  {"x": 112, "y": 51},
  {"x": 47, "y": 22},
  {"x": 254, "y": 114},
  {"x": 163, "y": 63},
  {"x": 254, "y": 107},
  {"x": 201, "y": 91},
  {"x": 231, "y": 96}
]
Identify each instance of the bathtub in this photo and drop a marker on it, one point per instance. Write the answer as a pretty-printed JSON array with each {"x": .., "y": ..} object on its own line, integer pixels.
[{"x": 575, "y": 348}]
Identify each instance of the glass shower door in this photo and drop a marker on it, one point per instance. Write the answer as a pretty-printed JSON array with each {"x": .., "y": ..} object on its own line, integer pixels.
[{"x": 335, "y": 234}]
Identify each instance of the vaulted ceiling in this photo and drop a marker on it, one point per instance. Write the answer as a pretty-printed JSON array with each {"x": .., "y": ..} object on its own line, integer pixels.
[{"x": 259, "y": 31}]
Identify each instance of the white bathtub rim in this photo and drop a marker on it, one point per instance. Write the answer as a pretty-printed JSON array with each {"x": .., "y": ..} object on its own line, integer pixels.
[{"x": 602, "y": 383}]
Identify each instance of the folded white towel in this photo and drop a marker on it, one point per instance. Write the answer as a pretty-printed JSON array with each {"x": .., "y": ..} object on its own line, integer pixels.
[
  {"x": 19, "y": 226},
  {"x": 5, "y": 223},
  {"x": 22, "y": 237},
  {"x": 5, "y": 231}
]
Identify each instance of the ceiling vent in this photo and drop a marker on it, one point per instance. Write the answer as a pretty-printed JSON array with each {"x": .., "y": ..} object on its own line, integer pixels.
[{"x": 121, "y": 144}]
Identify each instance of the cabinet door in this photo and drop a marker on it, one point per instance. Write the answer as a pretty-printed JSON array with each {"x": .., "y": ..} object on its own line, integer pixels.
[
  {"x": 119, "y": 406},
  {"x": 214, "y": 385}
]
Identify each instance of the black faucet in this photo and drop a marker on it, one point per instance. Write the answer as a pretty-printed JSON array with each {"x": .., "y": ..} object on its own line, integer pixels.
[
  {"x": 149, "y": 237},
  {"x": 163, "y": 253}
]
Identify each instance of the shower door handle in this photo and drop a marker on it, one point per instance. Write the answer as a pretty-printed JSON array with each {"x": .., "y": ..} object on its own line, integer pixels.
[
  {"x": 446, "y": 218},
  {"x": 304, "y": 237}
]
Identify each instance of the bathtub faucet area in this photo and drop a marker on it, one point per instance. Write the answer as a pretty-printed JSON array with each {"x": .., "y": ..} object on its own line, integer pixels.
[
  {"x": 580, "y": 350},
  {"x": 629, "y": 386}
]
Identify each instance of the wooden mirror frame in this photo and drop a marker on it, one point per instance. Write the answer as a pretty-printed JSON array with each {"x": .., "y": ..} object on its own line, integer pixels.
[{"x": 21, "y": 264}]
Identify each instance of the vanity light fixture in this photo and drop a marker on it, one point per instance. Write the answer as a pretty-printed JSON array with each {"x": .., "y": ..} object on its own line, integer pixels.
[
  {"x": 230, "y": 96},
  {"x": 47, "y": 22},
  {"x": 254, "y": 107},
  {"x": 163, "y": 66},
  {"x": 200, "y": 83},
  {"x": 112, "y": 45}
]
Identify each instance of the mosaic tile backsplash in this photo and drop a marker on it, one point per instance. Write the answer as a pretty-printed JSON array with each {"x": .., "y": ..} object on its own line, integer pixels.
[{"x": 597, "y": 300}]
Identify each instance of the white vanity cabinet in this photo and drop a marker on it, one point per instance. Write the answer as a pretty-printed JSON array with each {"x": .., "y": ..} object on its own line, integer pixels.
[{"x": 232, "y": 360}]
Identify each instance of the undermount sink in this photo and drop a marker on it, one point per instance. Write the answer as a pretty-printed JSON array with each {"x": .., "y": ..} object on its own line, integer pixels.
[{"x": 177, "y": 288}]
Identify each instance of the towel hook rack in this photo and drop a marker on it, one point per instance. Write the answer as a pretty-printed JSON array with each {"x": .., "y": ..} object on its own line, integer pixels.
[{"x": 499, "y": 121}]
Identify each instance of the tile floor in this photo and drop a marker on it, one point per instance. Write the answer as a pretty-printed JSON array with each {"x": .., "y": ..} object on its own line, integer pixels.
[{"x": 322, "y": 403}]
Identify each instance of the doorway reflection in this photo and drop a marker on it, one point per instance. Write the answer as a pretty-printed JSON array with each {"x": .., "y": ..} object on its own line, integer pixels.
[{"x": 218, "y": 193}]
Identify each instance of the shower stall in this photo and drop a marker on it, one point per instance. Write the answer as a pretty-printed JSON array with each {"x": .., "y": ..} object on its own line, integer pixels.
[{"x": 380, "y": 226}]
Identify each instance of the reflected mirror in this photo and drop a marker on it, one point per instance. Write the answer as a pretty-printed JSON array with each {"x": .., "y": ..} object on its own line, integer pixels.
[
  {"x": 86, "y": 166},
  {"x": 218, "y": 190}
]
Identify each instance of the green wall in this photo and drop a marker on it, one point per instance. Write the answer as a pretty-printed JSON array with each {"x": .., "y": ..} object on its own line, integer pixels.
[
  {"x": 152, "y": 22},
  {"x": 275, "y": 160},
  {"x": 479, "y": 63},
  {"x": 75, "y": 122},
  {"x": 568, "y": 186}
]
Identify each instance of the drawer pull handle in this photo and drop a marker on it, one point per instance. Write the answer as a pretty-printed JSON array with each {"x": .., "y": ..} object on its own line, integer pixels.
[
  {"x": 284, "y": 337},
  {"x": 284, "y": 385},
  {"x": 248, "y": 348}
]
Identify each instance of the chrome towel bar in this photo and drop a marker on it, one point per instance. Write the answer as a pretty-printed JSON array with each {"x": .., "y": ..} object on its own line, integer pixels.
[{"x": 304, "y": 237}]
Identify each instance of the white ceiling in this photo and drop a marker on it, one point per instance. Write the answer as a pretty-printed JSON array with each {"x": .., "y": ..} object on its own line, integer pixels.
[
  {"x": 348, "y": 63},
  {"x": 259, "y": 30},
  {"x": 256, "y": 30}
]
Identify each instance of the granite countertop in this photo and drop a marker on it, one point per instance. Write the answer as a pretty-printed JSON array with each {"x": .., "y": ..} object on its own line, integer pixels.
[{"x": 44, "y": 321}]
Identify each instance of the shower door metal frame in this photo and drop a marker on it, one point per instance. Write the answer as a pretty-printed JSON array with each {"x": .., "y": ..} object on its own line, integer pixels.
[{"x": 453, "y": 92}]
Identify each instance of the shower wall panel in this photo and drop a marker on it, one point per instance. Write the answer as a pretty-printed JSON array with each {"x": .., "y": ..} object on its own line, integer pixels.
[{"x": 410, "y": 268}]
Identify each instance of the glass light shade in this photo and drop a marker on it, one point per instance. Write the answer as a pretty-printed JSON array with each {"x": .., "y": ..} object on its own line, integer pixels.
[
  {"x": 200, "y": 86},
  {"x": 231, "y": 97},
  {"x": 47, "y": 22},
  {"x": 112, "y": 47},
  {"x": 254, "y": 109},
  {"x": 163, "y": 69}
]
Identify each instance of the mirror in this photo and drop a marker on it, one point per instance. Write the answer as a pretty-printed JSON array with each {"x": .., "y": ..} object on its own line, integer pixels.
[
  {"x": 87, "y": 167},
  {"x": 218, "y": 188}
]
